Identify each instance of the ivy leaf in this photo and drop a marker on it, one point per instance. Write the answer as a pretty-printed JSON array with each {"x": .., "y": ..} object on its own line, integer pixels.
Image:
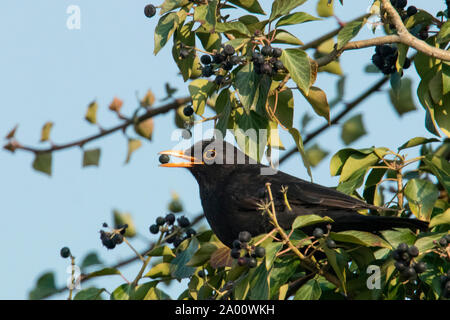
[
  {"x": 164, "y": 30},
  {"x": 91, "y": 113},
  {"x": 296, "y": 18},
  {"x": 283, "y": 7},
  {"x": 145, "y": 128},
  {"x": 315, "y": 154},
  {"x": 161, "y": 251},
  {"x": 359, "y": 160},
  {"x": 444, "y": 34},
  {"x": 45, "y": 133},
  {"x": 309, "y": 291},
  {"x": 246, "y": 132},
  {"x": 200, "y": 90},
  {"x": 324, "y": 9},
  {"x": 440, "y": 168},
  {"x": 247, "y": 83},
  {"x": 116, "y": 105},
  {"x": 360, "y": 237},
  {"x": 299, "y": 142},
  {"x": 308, "y": 220},
  {"x": 443, "y": 218},
  {"x": 338, "y": 160},
  {"x": 178, "y": 267},
  {"x": 397, "y": 236},
  {"x": 317, "y": 98},
  {"x": 284, "y": 110},
  {"x": 236, "y": 28},
  {"x": 202, "y": 255},
  {"x": 102, "y": 272},
  {"x": 224, "y": 105},
  {"x": 11, "y": 133},
  {"x": 133, "y": 145},
  {"x": 249, "y": 5},
  {"x": 259, "y": 283},
  {"x": 403, "y": 101},
  {"x": 169, "y": 5},
  {"x": 221, "y": 258},
  {"x": 45, "y": 286},
  {"x": 348, "y": 32},
  {"x": 43, "y": 163},
  {"x": 299, "y": 67},
  {"x": 90, "y": 259},
  {"x": 421, "y": 195},
  {"x": 91, "y": 293},
  {"x": 353, "y": 182},
  {"x": 160, "y": 270},
  {"x": 91, "y": 157},
  {"x": 417, "y": 141},
  {"x": 353, "y": 129},
  {"x": 285, "y": 37},
  {"x": 206, "y": 14}
]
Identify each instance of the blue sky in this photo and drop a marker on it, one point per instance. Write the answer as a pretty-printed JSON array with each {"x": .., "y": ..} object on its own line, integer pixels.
[{"x": 51, "y": 73}]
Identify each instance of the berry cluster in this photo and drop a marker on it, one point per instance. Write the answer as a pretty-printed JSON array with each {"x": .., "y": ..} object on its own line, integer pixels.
[
  {"x": 319, "y": 233},
  {"x": 167, "y": 225},
  {"x": 266, "y": 61},
  {"x": 385, "y": 58},
  {"x": 149, "y": 10},
  {"x": 405, "y": 264},
  {"x": 114, "y": 237},
  {"x": 445, "y": 285},
  {"x": 219, "y": 62},
  {"x": 251, "y": 252},
  {"x": 400, "y": 6}
]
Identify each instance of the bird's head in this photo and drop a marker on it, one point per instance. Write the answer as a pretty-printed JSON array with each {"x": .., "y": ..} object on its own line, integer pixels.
[{"x": 208, "y": 158}]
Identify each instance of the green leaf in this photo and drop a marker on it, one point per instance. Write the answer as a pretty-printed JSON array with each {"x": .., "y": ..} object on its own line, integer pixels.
[
  {"x": 353, "y": 129},
  {"x": 169, "y": 5},
  {"x": 348, "y": 32},
  {"x": 337, "y": 262},
  {"x": 160, "y": 251},
  {"x": 224, "y": 105},
  {"x": 315, "y": 154},
  {"x": 259, "y": 283},
  {"x": 91, "y": 113},
  {"x": 236, "y": 28},
  {"x": 247, "y": 84},
  {"x": 43, "y": 162},
  {"x": 426, "y": 242},
  {"x": 200, "y": 90},
  {"x": 206, "y": 14},
  {"x": 210, "y": 41},
  {"x": 318, "y": 100},
  {"x": 91, "y": 293},
  {"x": 164, "y": 30},
  {"x": 282, "y": 271},
  {"x": 299, "y": 143},
  {"x": 444, "y": 34},
  {"x": 403, "y": 102},
  {"x": 358, "y": 161},
  {"x": 133, "y": 145},
  {"x": 122, "y": 292},
  {"x": 121, "y": 218},
  {"x": 299, "y": 67},
  {"x": 283, "y": 7},
  {"x": 296, "y": 18},
  {"x": 441, "y": 169},
  {"x": 45, "y": 133},
  {"x": 45, "y": 286},
  {"x": 246, "y": 132},
  {"x": 178, "y": 267},
  {"x": 308, "y": 220},
  {"x": 309, "y": 291},
  {"x": 417, "y": 141},
  {"x": 443, "y": 218},
  {"x": 202, "y": 255},
  {"x": 249, "y": 5},
  {"x": 285, "y": 37},
  {"x": 102, "y": 272},
  {"x": 90, "y": 259},
  {"x": 284, "y": 110},
  {"x": 421, "y": 195},
  {"x": 338, "y": 160},
  {"x": 91, "y": 157},
  {"x": 160, "y": 270},
  {"x": 145, "y": 128},
  {"x": 324, "y": 8},
  {"x": 397, "y": 236},
  {"x": 360, "y": 237},
  {"x": 353, "y": 182}
]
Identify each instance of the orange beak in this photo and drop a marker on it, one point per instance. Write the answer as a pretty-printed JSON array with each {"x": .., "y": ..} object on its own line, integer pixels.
[{"x": 181, "y": 155}]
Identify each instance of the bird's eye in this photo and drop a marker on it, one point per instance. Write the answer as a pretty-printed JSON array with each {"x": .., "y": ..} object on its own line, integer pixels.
[{"x": 209, "y": 154}]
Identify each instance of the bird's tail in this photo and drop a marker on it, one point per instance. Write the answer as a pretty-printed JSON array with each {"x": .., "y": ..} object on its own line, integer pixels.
[{"x": 378, "y": 223}]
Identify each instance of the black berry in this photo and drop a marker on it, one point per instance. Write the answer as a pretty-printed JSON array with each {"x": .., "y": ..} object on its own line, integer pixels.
[
  {"x": 447, "y": 237},
  {"x": 402, "y": 247},
  {"x": 245, "y": 236},
  {"x": 235, "y": 253},
  {"x": 106, "y": 240},
  {"x": 257, "y": 58},
  {"x": 235, "y": 59},
  {"x": 228, "y": 50},
  {"x": 411, "y": 11},
  {"x": 252, "y": 262},
  {"x": 164, "y": 158},
  {"x": 236, "y": 244},
  {"x": 407, "y": 63},
  {"x": 177, "y": 242},
  {"x": 205, "y": 59},
  {"x": 420, "y": 267},
  {"x": 160, "y": 221},
  {"x": 65, "y": 252},
  {"x": 154, "y": 229},
  {"x": 227, "y": 65},
  {"x": 266, "y": 68},
  {"x": 260, "y": 252},
  {"x": 117, "y": 238},
  {"x": 207, "y": 71},
  {"x": 400, "y": 266},
  {"x": 413, "y": 251},
  {"x": 201, "y": 273},
  {"x": 190, "y": 232},
  {"x": 149, "y": 10},
  {"x": 266, "y": 51},
  {"x": 318, "y": 233},
  {"x": 188, "y": 111},
  {"x": 218, "y": 58},
  {"x": 183, "y": 222},
  {"x": 443, "y": 242},
  {"x": 409, "y": 273},
  {"x": 170, "y": 218},
  {"x": 277, "y": 52},
  {"x": 278, "y": 65},
  {"x": 331, "y": 244},
  {"x": 242, "y": 261}
]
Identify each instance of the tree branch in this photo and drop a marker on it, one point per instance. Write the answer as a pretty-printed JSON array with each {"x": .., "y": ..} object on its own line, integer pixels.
[
  {"x": 149, "y": 114},
  {"x": 408, "y": 39}
]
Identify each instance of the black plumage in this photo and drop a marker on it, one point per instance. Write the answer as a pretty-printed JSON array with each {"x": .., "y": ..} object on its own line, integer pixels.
[{"x": 232, "y": 188}]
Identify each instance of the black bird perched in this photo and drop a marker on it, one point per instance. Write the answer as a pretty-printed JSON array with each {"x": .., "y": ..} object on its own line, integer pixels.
[{"x": 232, "y": 186}]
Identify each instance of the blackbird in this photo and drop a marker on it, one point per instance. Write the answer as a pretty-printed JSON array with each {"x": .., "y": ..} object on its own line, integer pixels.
[{"x": 232, "y": 186}]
